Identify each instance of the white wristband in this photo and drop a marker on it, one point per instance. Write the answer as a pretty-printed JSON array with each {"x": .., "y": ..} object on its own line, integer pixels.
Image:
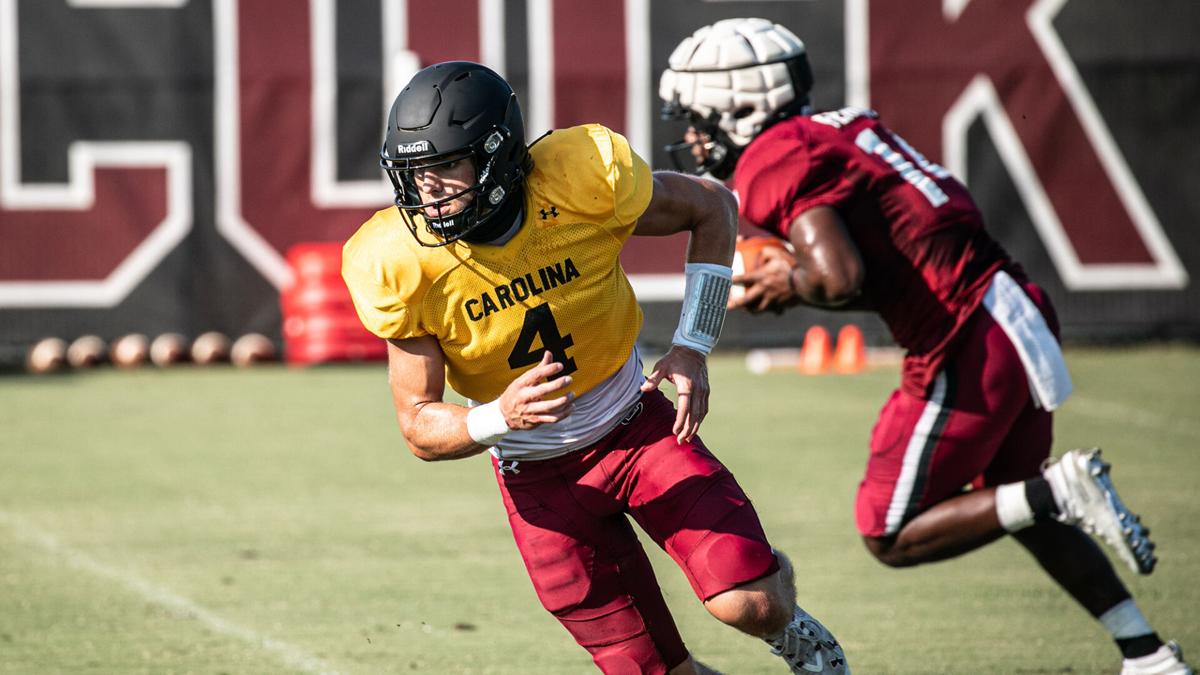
[
  {"x": 485, "y": 423},
  {"x": 705, "y": 292}
]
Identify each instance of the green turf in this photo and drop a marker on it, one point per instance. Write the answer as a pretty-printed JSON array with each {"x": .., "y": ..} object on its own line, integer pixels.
[{"x": 271, "y": 521}]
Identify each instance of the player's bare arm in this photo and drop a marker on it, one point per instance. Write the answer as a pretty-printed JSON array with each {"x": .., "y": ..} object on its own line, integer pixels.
[
  {"x": 437, "y": 430},
  {"x": 708, "y": 211},
  {"x": 683, "y": 203},
  {"x": 828, "y": 271}
]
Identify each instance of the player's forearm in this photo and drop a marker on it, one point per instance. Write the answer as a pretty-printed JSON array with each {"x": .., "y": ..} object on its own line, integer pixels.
[
  {"x": 714, "y": 233},
  {"x": 438, "y": 431}
]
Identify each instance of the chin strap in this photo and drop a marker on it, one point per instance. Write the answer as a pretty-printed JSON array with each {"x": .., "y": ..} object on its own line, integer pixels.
[{"x": 502, "y": 224}]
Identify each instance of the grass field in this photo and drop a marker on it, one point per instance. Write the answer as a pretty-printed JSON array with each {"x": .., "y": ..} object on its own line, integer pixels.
[{"x": 271, "y": 521}]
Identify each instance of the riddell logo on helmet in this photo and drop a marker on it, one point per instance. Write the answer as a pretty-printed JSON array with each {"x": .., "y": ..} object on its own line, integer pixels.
[{"x": 411, "y": 148}]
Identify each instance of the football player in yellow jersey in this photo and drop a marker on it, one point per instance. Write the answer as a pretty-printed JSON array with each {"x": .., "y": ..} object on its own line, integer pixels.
[{"x": 498, "y": 273}]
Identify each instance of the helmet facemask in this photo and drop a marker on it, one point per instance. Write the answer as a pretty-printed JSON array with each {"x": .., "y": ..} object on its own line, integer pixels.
[
  {"x": 708, "y": 151},
  {"x": 486, "y": 194}
]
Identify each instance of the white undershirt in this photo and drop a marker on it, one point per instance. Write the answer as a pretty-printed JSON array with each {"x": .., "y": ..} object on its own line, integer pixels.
[{"x": 595, "y": 413}]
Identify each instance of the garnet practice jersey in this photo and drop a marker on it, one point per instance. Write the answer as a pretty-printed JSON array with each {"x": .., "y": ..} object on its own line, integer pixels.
[
  {"x": 557, "y": 285},
  {"x": 927, "y": 257}
]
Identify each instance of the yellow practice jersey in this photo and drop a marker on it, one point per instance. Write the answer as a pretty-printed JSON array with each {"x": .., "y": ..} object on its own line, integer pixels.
[{"x": 557, "y": 285}]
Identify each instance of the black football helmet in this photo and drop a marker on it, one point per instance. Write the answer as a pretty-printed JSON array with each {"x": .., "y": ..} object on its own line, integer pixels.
[{"x": 447, "y": 112}]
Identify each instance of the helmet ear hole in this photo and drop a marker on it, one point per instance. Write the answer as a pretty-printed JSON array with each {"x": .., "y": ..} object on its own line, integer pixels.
[{"x": 743, "y": 112}]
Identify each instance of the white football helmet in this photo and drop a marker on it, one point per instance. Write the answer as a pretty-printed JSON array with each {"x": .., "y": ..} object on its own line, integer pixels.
[{"x": 732, "y": 80}]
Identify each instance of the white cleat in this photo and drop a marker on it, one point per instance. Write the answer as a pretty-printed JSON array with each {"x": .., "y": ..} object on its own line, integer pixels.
[
  {"x": 1168, "y": 660},
  {"x": 808, "y": 647},
  {"x": 1085, "y": 493}
]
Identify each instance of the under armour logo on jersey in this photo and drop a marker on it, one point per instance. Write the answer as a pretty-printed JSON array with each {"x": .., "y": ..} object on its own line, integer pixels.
[
  {"x": 547, "y": 214},
  {"x": 508, "y": 467}
]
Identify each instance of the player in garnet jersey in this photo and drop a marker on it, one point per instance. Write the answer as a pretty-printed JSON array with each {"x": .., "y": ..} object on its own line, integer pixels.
[
  {"x": 498, "y": 272},
  {"x": 877, "y": 226}
]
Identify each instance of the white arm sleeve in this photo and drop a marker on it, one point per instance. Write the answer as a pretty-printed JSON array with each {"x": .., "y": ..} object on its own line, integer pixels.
[
  {"x": 705, "y": 292},
  {"x": 486, "y": 424}
]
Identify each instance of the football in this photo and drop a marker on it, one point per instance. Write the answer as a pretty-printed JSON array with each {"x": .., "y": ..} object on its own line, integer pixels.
[
  {"x": 130, "y": 351},
  {"x": 209, "y": 348},
  {"x": 47, "y": 355},
  {"x": 87, "y": 351},
  {"x": 250, "y": 349},
  {"x": 749, "y": 256},
  {"x": 168, "y": 349}
]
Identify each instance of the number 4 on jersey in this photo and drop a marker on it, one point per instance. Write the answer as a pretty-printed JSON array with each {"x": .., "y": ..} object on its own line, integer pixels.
[{"x": 539, "y": 323}]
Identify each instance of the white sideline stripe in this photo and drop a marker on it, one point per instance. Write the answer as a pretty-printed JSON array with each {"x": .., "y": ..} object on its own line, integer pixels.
[
  {"x": 1139, "y": 417},
  {"x": 292, "y": 656}
]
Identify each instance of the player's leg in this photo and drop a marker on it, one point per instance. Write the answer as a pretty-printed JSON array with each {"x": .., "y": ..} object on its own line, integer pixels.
[
  {"x": 1076, "y": 490},
  {"x": 1026, "y": 508},
  {"x": 1033, "y": 511},
  {"x": 690, "y": 504},
  {"x": 979, "y": 417},
  {"x": 946, "y": 530},
  {"x": 911, "y": 507},
  {"x": 1045, "y": 510},
  {"x": 589, "y": 570},
  {"x": 1016, "y": 496},
  {"x": 1076, "y": 563},
  {"x": 803, "y": 642}
]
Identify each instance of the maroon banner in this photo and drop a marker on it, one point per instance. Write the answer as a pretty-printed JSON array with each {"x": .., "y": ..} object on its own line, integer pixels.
[{"x": 153, "y": 176}]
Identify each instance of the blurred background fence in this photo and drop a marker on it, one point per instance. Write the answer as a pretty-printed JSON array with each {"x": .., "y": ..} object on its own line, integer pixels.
[{"x": 159, "y": 158}]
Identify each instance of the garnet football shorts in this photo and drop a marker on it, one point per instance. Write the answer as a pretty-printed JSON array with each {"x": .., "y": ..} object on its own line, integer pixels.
[
  {"x": 568, "y": 516},
  {"x": 978, "y": 426}
]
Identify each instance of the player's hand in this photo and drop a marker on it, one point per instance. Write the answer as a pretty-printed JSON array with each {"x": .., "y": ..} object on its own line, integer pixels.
[
  {"x": 688, "y": 370},
  {"x": 768, "y": 287},
  {"x": 524, "y": 403}
]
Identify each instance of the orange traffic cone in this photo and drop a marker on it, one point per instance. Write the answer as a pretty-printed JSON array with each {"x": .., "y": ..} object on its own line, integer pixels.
[
  {"x": 851, "y": 353},
  {"x": 817, "y": 352}
]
